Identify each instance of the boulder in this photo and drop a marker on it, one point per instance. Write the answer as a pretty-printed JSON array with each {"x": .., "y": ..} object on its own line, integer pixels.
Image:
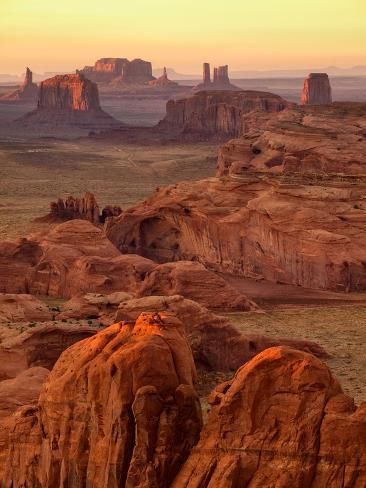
[
  {"x": 282, "y": 421},
  {"x": 118, "y": 409}
]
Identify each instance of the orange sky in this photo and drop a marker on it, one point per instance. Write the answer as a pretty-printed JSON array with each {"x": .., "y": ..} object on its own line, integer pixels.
[{"x": 56, "y": 35}]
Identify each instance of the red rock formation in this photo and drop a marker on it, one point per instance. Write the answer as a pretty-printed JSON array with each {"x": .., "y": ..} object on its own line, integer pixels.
[
  {"x": 72, "y": 258},
  {"x": 206, "y": 74},
  {"x": 194, "y": 281},
  {"x": 317, "y": 90},
  {"x": 216, "y": 344},
  {"x": 119, "y": 70},
  {"x": 28, "y": 92},
  {"x": 79, "y": 208},
  {"x": 217, "y": 112},
  {"x": 69, "y": 100},
  {"x": 41, "y": 346},
  {"x": 21, "y": 308},
  {"x": 282, "y": 421},
  {"x": 118, "y": 409},
  {"x": 288, "y": 206}
]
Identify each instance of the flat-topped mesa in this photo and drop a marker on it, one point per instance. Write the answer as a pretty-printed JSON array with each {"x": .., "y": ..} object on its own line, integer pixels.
[
  {"x": 218, "y": 112},
  {"x": 317, "y": 90},
  {"x": 66, "y": 101},
  {"x": 107, "y": 70},
  {"x": 27, "y": 92},
  {"x": 221, "y": 80},
  {"x": 69, "y": 92}
]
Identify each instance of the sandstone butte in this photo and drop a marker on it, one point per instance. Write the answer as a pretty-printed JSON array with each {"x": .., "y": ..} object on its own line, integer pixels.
[
  {"x": 86, "y": 207},
  {"x": 28, "y": 92},
  {"x": 317, "y": 90},
  {"x": 119, "y": 71},
  {"x": 218, "y": 112},
  {"x": 287, "y": 204},
  {"x": 283, "y": 421},
  {"x": 163, "y": 81},
  {"x": 118, "y": 409},
  {"x": 70, "y": 100},
  {"x": 220, "y": 80}
]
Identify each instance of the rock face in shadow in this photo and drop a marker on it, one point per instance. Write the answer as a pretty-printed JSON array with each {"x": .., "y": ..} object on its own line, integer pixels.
[
  {"x": 282, "y": 421},
  {"x": 28, "y": 92},
  {"x": 317, "y": 90},
  {"x": 218, "y": 112},
  {"x": 119, "y": 70},
  {"x": 118, "y": 409},
  {"x": 287, "y": 205},
  {"x": 69, "y": 100}
]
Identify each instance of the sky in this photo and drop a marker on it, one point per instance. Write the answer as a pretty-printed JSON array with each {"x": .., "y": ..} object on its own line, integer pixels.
[{"x": 62, "y": 35}]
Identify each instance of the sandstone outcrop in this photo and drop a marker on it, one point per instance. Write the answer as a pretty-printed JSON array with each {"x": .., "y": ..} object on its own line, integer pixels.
[
  {"x": 282, "y": 421},
  {"x": 288, "y": 204},
  {"x": 72, "y": 258},
  {"x": 195, "y": 282},
  {"x": 69, "y": 100},
  {"x": 317, "y": 90},
  {"x": 22, "y": 308},
  {"x": 40, "y": 345},
  {"x": 28, "y": 92},
  {"x": 220, "y": 81},
  {"x": 85, "y": 207},
  {"x": 218, "y": 112},
  {"x": 216, "y": 344},
  {"x": 119, "y": 70},
  {"x": 118, "y": 409}
]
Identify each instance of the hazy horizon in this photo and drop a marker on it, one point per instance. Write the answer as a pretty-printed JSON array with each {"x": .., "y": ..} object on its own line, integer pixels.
[{"x": 267, "y": 35}]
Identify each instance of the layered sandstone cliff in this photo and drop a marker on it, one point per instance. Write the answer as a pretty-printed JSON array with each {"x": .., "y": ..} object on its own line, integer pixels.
[
  {"x": 317, "y": 90},
  {"x": 287, "y": 206},
  {"x": 218, "y": 112},
  {"x": 28, "y": 92},
  {"x": 282, "y": 421},
  {"x": 118, "y": 409},
  {"x": 119, "y": 70},
  {"x": 69, "y": 100}
]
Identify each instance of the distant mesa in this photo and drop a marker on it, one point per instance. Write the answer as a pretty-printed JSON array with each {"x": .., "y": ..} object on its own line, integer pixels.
[
  {"x": 317, "y": 90},
  {"x": 218, "y": 112},
  {"x": 163, "y": 81},
  {"x": 119, "y": 70},
  {"x": 69, "y": 100},
  {"x": 26, "y": 92},
  {"x": 220, "y": 81}
]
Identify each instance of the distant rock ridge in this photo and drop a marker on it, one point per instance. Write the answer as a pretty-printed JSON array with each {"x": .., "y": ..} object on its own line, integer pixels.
[
  {"x": 27, "y": 92},
  {"x": 218, "y": 112},
  {"x": 221, "y": 80},
  {"x": 317, "y": 90},
  {"x": 119, "y": 70},
  {"x": 85, "y": 208},
  {"x": 69, "y": 100}
]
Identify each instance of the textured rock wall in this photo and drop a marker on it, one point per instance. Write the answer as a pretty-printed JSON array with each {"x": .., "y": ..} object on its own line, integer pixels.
[{"x": 317, "y": 90}]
